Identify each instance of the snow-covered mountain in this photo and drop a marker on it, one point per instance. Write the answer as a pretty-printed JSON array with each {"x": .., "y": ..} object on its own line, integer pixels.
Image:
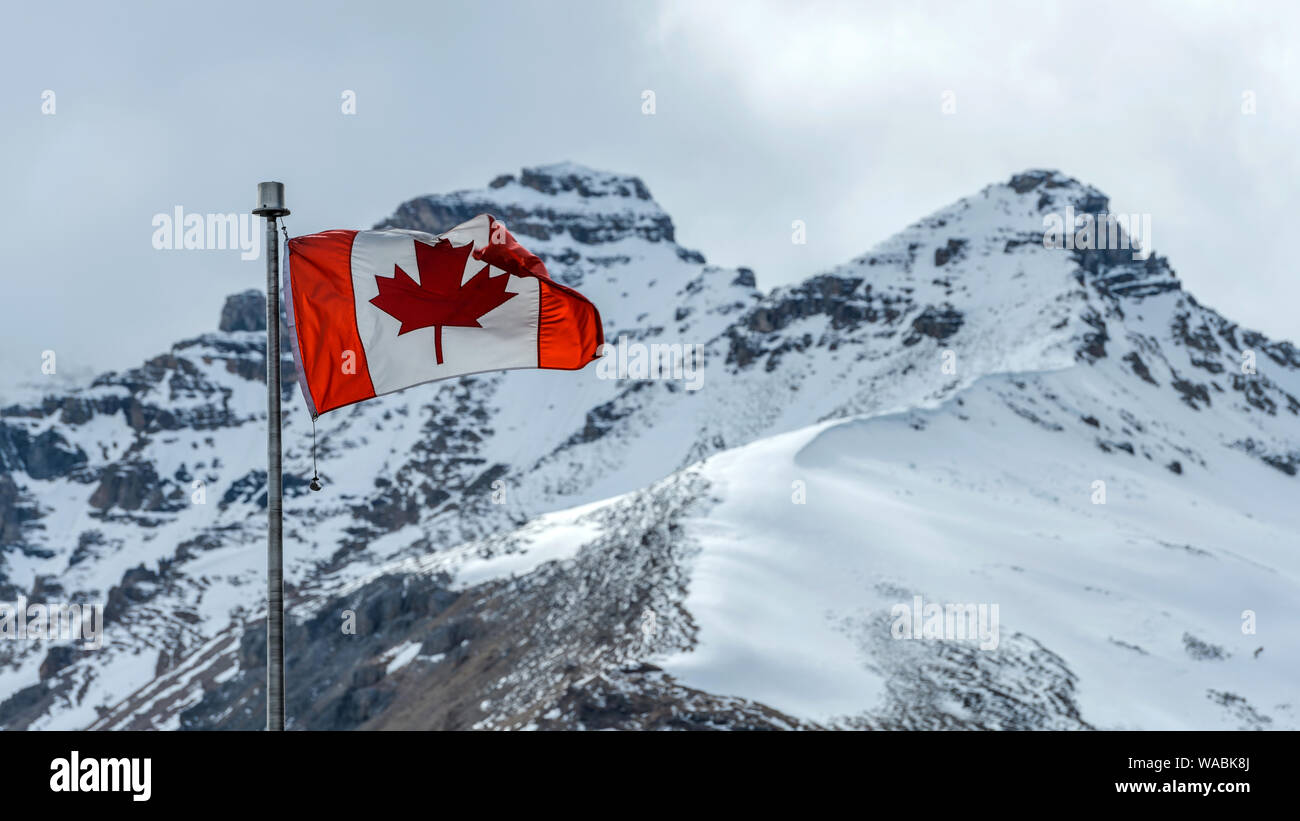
[{"x": 960, "y": 414}]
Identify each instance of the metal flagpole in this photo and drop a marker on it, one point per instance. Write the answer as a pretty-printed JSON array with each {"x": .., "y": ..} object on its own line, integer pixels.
[{"x": 270, "y": 204}]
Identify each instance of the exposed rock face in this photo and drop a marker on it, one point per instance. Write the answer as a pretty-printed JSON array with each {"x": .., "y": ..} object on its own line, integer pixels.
[
  {"x": 470, "y": 636},
  {"x": 138, "y": 585},
  {"x": 937, "y": 323},
  {"x": 57, "y": 659},
  {"x": 14, "y": 512},
  {"x": 553, "y": 179},
  {"x": 135, "y": 486},
  {"x": 589, "y": 207},
  {"x": 1112, "y": 269},
  {"x": 244, "y": 312},
  {"x": 947, "y": 252},
  {"x": 44, "y": 456}
]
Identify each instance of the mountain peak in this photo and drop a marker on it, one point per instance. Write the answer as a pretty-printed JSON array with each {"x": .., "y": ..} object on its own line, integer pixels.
[
  {"x": 1055, "y": 190},
  {"x": 584, "y": 181},
  {"x": 244, "y": 311},
  {"x": 1032, "y": 210},
  {"x": 1118, "y": 256},
  {"x": 1031, "y": 178},
  {"x": 548, "y": 202}
]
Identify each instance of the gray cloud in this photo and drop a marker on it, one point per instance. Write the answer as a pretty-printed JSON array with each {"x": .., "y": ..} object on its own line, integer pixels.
[{"x": 766, "y": 113}]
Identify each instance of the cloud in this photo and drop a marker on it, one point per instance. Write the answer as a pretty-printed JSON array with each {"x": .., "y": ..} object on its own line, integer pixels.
[{"x": 767, "y": 112}]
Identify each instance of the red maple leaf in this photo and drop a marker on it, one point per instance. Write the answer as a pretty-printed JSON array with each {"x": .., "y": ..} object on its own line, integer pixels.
[{"x": 439, "y": 299}]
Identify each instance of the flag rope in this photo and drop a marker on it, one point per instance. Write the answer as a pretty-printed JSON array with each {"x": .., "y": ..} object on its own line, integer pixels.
[{"x": 315, "y": 476}]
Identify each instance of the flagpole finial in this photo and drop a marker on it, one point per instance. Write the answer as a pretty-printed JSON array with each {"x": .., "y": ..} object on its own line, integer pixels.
[{"x": 270, "y": 200}]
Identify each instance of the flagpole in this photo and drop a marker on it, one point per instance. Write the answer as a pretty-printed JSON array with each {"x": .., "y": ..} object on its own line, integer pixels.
[{"x": 270, "y": 204}]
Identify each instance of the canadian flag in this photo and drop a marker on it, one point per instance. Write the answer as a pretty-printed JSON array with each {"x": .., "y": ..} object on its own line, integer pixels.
[{"x": 372, "y": 312}]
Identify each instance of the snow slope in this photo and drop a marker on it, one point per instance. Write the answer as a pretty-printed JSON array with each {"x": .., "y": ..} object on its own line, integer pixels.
[{"x": 974, "y": 503}]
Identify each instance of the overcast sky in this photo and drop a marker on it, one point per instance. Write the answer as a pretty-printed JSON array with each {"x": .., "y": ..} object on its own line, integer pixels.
[{"x": 765, "y": 113}]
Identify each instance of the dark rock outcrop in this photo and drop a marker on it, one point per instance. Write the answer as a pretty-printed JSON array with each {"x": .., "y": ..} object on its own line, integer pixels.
[
  {"x": 435, "y": 214},
  {"x": 136, "y": 486},
  {"x": 937, "y": 322},
  {"x": 244, "y": 312},
  {"x": 44, "y": 456}
]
